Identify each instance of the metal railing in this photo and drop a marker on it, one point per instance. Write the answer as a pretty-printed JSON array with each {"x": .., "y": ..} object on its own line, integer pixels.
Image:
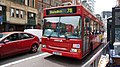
[{"x": 93, "y": 62}]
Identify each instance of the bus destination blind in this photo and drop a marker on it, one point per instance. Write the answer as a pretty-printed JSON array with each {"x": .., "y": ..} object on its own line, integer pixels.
[{"x": 68, "y": 10}]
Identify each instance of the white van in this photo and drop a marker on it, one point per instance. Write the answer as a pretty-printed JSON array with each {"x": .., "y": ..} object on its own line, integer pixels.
[{"x": 36, "y": 32}]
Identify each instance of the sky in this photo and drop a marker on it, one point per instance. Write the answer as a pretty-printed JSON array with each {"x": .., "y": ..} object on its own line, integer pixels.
[{"x": 104, "y": 5}]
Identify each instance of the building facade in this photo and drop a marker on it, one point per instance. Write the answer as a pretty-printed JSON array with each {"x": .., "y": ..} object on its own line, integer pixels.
[
  {"x": 17, "y": 14},
  {"x": 105, "y": 16},
  {"x": 89, "y": 4},
  {"x": 74, "y": 2},
  {"x": 41, "y": 4}
]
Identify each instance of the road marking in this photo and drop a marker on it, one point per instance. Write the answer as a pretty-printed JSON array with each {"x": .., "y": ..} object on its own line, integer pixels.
[{"x": 15, "y": 62}]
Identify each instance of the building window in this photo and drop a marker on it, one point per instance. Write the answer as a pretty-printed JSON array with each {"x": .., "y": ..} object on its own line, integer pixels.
[
  {"x": 0, "y": 13},
  {"x": 28, "y": 2},
  {"x": 48, "y": 6},
  {"x": 17, "y": 13},
  {"x": 57, "y": 4},
  {"x": 31, "y": 3},
  {"x": 21, "y": 14},
  {"x": 45, "y": 1},
  {"x": 53, "y": 2},
  {"x": 23, "y": 1},
  {"x": 0, "y": 10},
  {"x": 31, "y": 16},
  {"x": 19, "y": 1},
  {"x": 12, "y": 10}
]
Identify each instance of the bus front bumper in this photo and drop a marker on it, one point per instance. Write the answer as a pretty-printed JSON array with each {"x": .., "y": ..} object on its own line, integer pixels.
[{"x": 63, "y": 53}]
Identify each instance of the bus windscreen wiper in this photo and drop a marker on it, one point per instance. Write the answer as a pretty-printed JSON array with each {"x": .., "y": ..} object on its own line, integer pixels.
[
  {"x": 66, "y": 37},
  {"x": 50, "y": 34}
]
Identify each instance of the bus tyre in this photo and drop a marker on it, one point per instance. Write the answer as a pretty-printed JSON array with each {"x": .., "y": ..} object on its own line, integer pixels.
[{"x": 34, "y": 48}]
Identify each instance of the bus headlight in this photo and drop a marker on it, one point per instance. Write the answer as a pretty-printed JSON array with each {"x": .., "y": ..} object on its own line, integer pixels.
[
  {"x": 76, "y": 45},
  {"x": 44, "y": 46},
  {"x": 73, "y": 50}
]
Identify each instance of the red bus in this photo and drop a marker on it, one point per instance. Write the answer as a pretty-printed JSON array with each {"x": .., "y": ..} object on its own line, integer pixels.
[{"x": 70, "y": 31}]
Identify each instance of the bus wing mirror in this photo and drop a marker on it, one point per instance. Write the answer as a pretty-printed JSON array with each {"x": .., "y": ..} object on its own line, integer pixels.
[{"x": 44, "y": 20}]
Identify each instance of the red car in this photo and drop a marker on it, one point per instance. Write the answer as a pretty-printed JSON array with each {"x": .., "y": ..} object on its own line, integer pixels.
[{"x": 12, "y": 43}]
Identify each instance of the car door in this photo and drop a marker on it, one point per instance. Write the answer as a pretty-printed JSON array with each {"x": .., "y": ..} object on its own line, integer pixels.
[
  {"x": 9, "y": 47},
  {"x": 25, "y": 42}
]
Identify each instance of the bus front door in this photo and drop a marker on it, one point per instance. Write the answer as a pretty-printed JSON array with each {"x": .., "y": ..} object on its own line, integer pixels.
[{"x": 86, "y": 38}]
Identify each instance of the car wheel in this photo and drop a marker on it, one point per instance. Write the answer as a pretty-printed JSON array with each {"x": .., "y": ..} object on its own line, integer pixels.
[{"x": 34, "y": 48}]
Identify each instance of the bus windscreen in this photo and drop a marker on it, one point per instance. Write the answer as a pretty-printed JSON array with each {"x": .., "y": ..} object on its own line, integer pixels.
[{"x": 68, "y": 26}]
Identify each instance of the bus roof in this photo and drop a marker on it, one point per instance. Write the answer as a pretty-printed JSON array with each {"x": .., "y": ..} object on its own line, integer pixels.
[{"x": 61, "y": 6}]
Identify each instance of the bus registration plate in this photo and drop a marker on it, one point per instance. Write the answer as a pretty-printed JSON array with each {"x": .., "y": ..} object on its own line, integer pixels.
[{"x": 57, "y": 53}]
